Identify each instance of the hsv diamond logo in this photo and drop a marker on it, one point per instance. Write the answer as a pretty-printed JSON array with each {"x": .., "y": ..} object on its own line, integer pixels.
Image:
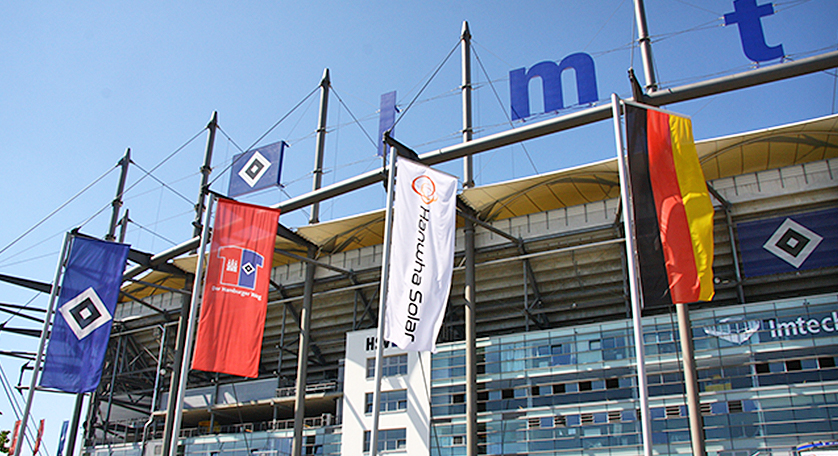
[
  {"x": 239, "y": 266},
  {"x": 792, "y": 242},
  {"x": 85, "y": 313},
  {"x": 254, "y": 169},
  {"x": 789, "y": 243}
]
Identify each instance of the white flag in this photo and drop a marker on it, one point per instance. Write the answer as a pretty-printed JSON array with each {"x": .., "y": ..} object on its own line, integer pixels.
[{"x": 422, "y": 255}]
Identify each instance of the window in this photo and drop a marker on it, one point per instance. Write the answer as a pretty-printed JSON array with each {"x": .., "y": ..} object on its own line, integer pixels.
[
  {"x": 390, "y": 366},
  {"x": 560, "y": 354},
  {"x": 388, "y": 440},
  {"x": 390, "y": 401}
]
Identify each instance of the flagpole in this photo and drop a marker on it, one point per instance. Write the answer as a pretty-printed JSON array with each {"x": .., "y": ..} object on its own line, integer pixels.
[
  {"x": 34, "y": 383},
  {"x": 190, "y": 331},
  {"x": 382, "y": 297},
  {"x": 469, "y": 292},
  {"x": 628, "y": 223}
]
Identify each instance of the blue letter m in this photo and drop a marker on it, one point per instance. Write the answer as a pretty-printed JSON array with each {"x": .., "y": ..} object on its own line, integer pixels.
[{"x": 551, "y": 83}]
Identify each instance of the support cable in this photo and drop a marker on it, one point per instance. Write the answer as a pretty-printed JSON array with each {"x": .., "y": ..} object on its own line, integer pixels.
[
  {"x": 162, "y": 184},
  {"x": 106, "y": 206},
  {"x": 7, "y": 389},
  {"x": 508, "y": 117},
  {"x": 157, "y": 166},
  {"x": 431, "y": 78},
  {"x": 24, "y": 307},
  {"x": 601, "y": 28},
  {"x": 374, "y": 144},
  {"x": 57, "y": 210}
]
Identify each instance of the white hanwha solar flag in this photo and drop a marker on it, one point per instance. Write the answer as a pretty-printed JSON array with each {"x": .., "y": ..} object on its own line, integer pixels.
[{"x": 422, "y": 255}]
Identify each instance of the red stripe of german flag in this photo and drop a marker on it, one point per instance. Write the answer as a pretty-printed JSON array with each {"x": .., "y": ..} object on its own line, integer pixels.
[{"x": 672, "y": 209}]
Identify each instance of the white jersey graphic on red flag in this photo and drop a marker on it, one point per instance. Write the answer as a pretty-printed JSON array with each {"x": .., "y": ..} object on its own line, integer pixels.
[
  {"x": 422, "y": 255},
  {"x": 235, "y": 300}
]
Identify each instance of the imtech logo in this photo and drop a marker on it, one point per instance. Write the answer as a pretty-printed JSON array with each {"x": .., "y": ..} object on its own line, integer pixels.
[
  {"x": 734, "y": 329},
  {"x": 425, "y": 187}
]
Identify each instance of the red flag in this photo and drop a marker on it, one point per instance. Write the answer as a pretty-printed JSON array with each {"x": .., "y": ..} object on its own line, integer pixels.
[
  {"x": 235, "y": 297},
  {"x": 14, "y": 437},
  {"x": 38, "y": 438}
]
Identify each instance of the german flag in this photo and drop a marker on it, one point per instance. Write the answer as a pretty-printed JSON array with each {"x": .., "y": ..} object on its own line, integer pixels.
[{"x": 672, "y": 208}]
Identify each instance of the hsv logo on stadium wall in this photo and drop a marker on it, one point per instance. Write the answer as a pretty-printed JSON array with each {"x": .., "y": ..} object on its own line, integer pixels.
[
  {"x": 789, "y": 243},
  {"x": 240, "y": 266}
]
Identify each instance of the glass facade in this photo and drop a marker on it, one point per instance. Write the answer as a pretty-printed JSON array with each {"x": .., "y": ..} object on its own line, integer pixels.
[{"x": 767, "y": 375}]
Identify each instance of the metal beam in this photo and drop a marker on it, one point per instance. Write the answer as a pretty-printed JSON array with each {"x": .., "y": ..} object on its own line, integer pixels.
[
  {"x": 27, "y": 283},
  {"x": 584, "y": 117},
  {"x": 18, "y": 313},
  {"x": 145, "y": 304},
  {"x": 313, "y": 261},
  {"x": 296, "y": 316},
  {"x": 726, "y": 207},
  {"x": 21, "y": 331},
  {"x": 162, "y": 258},
  {"x": 534, "y": 130},
  {"x": 285, "y": 232}
]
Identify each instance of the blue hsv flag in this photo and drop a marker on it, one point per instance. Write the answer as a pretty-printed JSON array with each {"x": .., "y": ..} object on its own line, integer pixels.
[
  {"x": 256, "y": 169},
  {"x": 82, "y": 324},
  {"x": 386, "y": 118},
  {"x": 62, "y": 438}
]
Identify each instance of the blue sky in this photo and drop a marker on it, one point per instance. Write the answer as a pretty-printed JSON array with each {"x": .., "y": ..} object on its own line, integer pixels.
[{"x": 83, "y": 81}]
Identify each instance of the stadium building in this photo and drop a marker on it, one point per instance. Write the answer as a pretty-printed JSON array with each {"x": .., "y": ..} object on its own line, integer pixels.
[{"x": 556, "y": 370}]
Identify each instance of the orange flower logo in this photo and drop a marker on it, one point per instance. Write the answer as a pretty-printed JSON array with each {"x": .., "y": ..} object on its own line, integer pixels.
[{"x": 425, "y": 188}]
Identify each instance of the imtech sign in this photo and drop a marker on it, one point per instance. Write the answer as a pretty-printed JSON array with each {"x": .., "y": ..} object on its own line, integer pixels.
[
  {"x": 803, "y": 327},
  {"x": 738, "y": 331}
]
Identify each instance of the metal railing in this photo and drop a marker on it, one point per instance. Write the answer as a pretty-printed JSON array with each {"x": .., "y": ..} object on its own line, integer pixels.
[{"x": 325, "y": 387}]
